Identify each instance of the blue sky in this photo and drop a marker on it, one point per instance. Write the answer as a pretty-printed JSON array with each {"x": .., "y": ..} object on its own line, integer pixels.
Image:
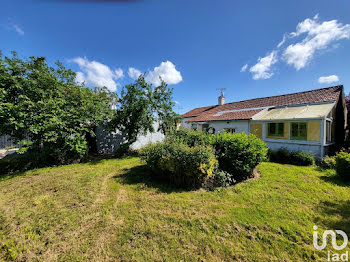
[{"x": 197, "y": 46}]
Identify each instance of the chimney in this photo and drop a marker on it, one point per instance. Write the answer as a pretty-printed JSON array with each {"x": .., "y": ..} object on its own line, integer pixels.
[{"x": 221, "y": 99}]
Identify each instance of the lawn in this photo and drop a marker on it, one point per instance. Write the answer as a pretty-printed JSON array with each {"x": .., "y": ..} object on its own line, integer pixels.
[{"x": 111, "y": 210}]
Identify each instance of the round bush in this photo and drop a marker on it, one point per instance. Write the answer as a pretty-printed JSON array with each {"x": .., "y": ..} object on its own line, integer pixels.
[
  {"x": 239, "y": 153},
  {"x": 343, "y": 165}
]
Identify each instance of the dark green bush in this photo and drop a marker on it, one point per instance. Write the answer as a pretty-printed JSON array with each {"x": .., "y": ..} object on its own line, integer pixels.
[
  {"x": 22, "y": 162},
  {"x": 238, "y": 153},
  {"x": 48, "y": 155},
  {"x": 184, "y": 166},
  {"x": 302, "y": 159},
  {"x": 343, "y": 165},
  {"x": 281, "y": 155},
  {"x": 284, "y": 156},
  {"x": 328, "y": 162}
]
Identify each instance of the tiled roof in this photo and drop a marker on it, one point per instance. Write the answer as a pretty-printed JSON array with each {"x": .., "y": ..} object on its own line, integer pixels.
[
  {"x": 197, "y": 111},
  {"x": 254, "y": 106}
]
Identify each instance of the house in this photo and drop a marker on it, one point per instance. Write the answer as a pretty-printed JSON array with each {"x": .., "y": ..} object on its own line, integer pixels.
[{"x": 308, "y": 121}]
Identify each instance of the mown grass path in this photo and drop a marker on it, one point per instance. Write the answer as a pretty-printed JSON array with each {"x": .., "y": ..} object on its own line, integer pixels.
[{"x": 111, "y": 210}]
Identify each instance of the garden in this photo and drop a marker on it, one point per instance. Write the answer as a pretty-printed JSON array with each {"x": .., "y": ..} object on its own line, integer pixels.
[{"x": 193, "y": 196}]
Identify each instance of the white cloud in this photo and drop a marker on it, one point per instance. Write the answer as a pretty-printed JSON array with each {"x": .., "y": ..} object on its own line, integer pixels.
[
  {"x": 79, "y": 78},
  {"x": 328, "y": 79},
  {"x": 97, "y": 74},
  {"x": 119, "y": 73},
  {"x": 134, "y": 73},
  {"x": 13, "y": 27},
  {"x": 168, "y": 73},
  {"x": 262, "y": 69},
  {"x": 314, "y": 37},
  {"x": 318, "y": 36},
  {"x": 244, "y": 68},
  {"x": 176, "y": 102},
  {"x": 18, "y": 29},
  {"x": 282, "y": 41}
]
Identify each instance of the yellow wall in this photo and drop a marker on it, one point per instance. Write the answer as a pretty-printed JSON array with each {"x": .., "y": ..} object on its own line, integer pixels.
[
  {"x": 256, "y": 129},
  {"x": 286, "y": 131},
  {"x": 314, "y": 131}
]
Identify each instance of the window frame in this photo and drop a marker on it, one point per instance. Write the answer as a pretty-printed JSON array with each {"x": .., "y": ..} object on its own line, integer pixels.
[
  {"x": 276, "y": 134},
  {"x": 329, "y": 131},
  {"x": 298, "y": 137},
  {"x": 230, "y": 130}
]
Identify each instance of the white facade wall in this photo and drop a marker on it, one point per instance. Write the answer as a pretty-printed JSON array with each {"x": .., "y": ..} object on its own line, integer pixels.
[
  {"x": 239, "y": 126},
  {"x": 186, "y": 124},
  {"x": 314, "y": 149},
  {"x": 109, "y": 142}
]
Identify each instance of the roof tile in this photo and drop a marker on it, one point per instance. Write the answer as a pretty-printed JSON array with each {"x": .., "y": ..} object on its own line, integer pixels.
[{"x": 210, "y": 113}]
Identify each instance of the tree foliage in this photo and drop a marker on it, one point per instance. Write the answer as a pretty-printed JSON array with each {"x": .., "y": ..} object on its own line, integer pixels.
[
  {"x": 47, "y": 106},
  {"x": 139, "y": 106}
]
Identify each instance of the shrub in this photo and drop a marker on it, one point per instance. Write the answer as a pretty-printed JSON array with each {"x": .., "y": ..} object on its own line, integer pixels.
[
  {"x": 343, "y": 165},
  {"x": 152, "y": 155},
  {"x": 184, "y": 166},
  {"x": 238, "y": 153},
  {"x": 189, "y": 137},
  {"x": 281, "y": 155},
  {"x": 302, "y": 159},
  {"x": 22, "y": 162},
  {"x": 284, "y": 156},
  {"x": 219, "y": 179},
  {"x": 329, "y": 162}
]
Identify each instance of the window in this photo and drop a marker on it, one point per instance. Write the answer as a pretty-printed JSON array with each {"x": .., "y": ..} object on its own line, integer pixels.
[
  {"x": 194, "y": 126},
  {"x": 205, "y": 127},
  {"x": 276, "y": 129},
  {"x": 230, "y": 130},
  {"x": 328, "y": 131},
  {"x": 298, "y": 131}
]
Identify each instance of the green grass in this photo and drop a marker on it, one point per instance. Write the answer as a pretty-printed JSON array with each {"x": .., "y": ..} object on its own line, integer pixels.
[{"x": 111, "y": 210}]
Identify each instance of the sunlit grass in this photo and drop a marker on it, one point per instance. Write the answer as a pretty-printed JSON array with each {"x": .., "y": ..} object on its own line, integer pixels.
[{"x": 113, "y": 210}]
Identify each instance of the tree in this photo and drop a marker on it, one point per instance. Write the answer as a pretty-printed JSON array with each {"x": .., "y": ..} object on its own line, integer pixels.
[
  {"x": 45, "y": 104},
  {"x": 139, "y": 106}
]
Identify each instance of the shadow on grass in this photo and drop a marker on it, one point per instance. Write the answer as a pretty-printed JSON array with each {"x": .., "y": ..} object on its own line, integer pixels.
[
  {"x": 142, "y": 176},
  {"x": 335, "y": 215},
  {"x": 95, "y": 159},
  {"x": 16, "y": 165},
  {"x": 335, "y": 180}
]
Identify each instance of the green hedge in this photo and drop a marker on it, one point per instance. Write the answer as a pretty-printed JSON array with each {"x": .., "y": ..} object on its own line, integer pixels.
[
  {"x": 184, "y": 166},
  {"x": 284, "y": 156},
  {"x": 343, "y": 165}
]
